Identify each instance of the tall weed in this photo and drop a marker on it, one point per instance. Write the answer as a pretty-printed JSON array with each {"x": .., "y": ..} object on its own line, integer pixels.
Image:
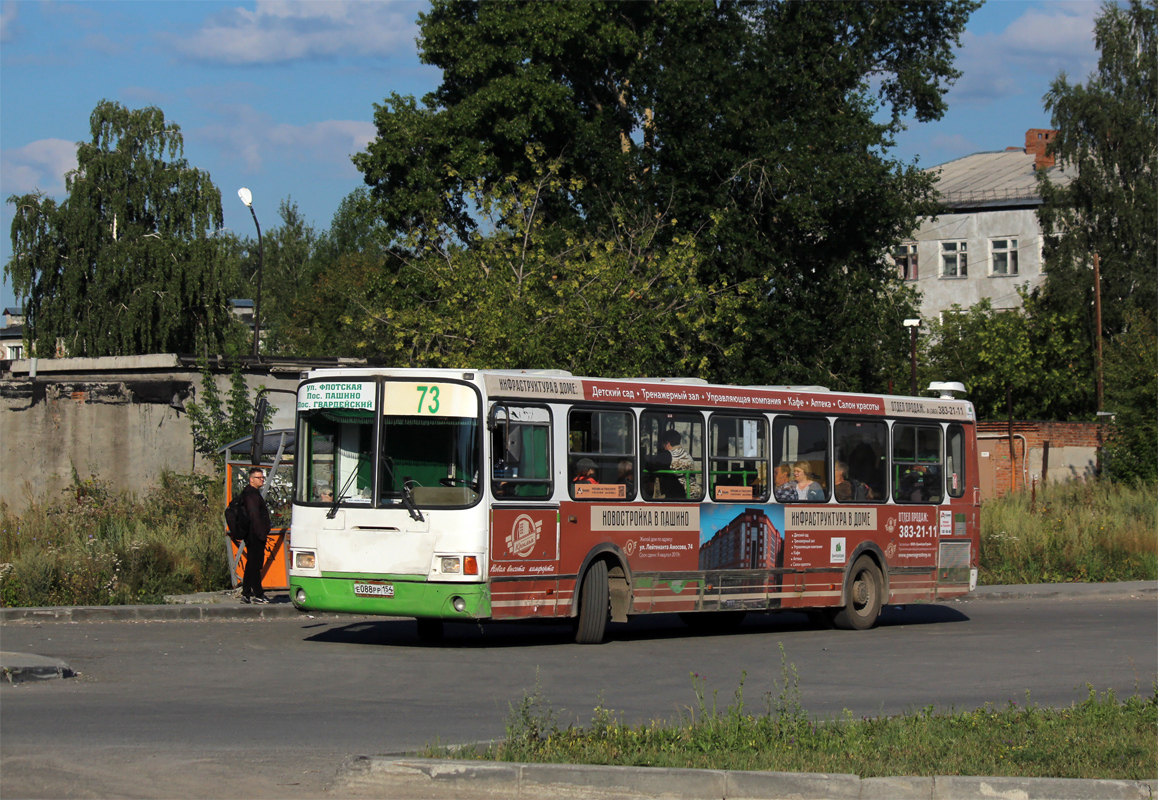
[
  {"x": 1078, "y": 531},
  {"x": 95, "y": 546}
]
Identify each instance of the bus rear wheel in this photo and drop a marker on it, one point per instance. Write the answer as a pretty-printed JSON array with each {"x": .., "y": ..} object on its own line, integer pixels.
[
  {"x": 865, "y": 591},
  {"x": 594, "y": 605}
]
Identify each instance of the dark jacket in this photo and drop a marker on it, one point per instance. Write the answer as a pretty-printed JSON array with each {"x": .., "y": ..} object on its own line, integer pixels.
[{"x": 258, "y": 513}]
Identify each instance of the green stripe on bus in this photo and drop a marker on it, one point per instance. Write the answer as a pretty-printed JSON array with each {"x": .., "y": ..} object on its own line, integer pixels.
[{"x": 412, "y": 598}]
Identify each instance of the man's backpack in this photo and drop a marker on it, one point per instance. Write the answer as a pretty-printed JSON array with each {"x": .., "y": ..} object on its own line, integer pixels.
[{"x": 237, "y": 518}]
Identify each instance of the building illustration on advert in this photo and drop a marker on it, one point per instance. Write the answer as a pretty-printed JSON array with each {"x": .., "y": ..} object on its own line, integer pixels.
[{"x": 748, "y": 540}]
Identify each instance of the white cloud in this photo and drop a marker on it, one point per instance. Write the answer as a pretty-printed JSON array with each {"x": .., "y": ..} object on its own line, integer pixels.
[
  {"x": 39, "y": 166},
  {"x": 7, "y": 21},
  {"x": 284, "y": 30},
  {"x": 1028, "y": 54},
  {"x": 252, "y": 137}
]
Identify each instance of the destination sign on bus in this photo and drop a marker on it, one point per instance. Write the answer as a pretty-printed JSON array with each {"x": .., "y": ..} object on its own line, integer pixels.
[
  {"x": 429, "y": 399},
  {"x": 336, "y": 394}
]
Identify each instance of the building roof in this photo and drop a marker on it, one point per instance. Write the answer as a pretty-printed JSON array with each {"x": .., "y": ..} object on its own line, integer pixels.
[{"x": 998, "y": 179}]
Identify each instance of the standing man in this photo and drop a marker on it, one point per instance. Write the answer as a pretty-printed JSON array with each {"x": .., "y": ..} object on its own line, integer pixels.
[{"x": 258, "y": 513}]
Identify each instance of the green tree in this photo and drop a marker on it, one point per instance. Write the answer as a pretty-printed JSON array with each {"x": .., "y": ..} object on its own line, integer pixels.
[
  {"x": 751, "y": 125},
  {"x": 128, "y": 263},
  {"x": 216, "y": 421},
  {"x": 289, "y": 267},
  {"x": 1132, "y": 396},
  {"x": 1040, "y": 354},
  {"x": 518, "y": 296},
  {"x": 1106, "y": 134}
]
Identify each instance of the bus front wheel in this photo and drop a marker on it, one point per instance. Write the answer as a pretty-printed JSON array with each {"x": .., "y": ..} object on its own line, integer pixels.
[
  {"x": 865, "y": 591},
  {"x": 594, "y": 605}
]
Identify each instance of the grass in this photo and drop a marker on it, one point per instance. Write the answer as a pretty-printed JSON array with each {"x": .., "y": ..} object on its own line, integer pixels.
[
  {"x": 1100, "y": 737},
  {"x": 1078, "y": 531},
  {"x": 93, "y": 546}
]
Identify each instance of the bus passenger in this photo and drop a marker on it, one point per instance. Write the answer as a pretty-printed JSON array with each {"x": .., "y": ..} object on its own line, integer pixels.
[
  {"x": 670, "y": 457},
  {"x": 806, "y": 487},
  {"x": 585, "y": 471},
  {"x": 841, "y": 486},
  {"x": 626, "y": 472},
  {"x": 782, "y": 481}
]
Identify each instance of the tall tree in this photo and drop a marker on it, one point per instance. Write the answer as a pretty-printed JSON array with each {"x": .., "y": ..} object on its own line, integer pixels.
[
  {"x": 289, "y": 266},
  {"x": 128, "y": 262},
  {"x": 1106, "y": 134},
  {"x": 752, "y": 124}
]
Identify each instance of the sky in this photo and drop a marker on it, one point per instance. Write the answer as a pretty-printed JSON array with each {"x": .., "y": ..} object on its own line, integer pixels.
[{"x": 276, "y": 95}]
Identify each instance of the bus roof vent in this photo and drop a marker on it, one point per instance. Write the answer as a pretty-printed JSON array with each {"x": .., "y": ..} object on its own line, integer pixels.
[
  {"x": 792, "y": 388},
  {"x": 690, "y": 381},
  {"x": 551, "y": 373},
  {"x": 945, "y": 389}
]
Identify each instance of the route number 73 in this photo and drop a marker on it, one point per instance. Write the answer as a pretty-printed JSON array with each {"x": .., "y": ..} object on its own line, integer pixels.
[{"x": 426, "y": 392}]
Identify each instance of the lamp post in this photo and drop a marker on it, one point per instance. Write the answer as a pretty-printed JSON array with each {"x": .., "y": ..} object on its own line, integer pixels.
[
  {"x": 247, "y": 198},
  {"x": 913, "y": 325}
]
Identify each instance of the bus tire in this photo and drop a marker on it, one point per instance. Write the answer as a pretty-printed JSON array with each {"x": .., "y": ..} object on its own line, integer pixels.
[
  {"x": 429, "y": 630},
  {"x": 865, "y": 590},
  {"x": 594, "y": 605}
]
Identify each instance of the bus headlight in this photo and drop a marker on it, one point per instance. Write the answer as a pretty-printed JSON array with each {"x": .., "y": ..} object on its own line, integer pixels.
[
  {"x": 451, "y": 565},
  {"x": 305, "y": 560}
]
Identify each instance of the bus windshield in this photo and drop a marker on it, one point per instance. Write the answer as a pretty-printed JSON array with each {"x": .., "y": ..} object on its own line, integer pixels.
[
  {"x": 336, "y": 442},
  {"x": 430, "y": 445}
]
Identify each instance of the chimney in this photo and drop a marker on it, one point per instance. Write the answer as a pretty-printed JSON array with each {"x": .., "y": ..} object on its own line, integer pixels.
[{"x": 1036, "y": 141}]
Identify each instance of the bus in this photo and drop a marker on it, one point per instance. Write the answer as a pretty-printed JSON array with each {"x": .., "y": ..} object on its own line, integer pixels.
[{"x": 504, "y": 495}]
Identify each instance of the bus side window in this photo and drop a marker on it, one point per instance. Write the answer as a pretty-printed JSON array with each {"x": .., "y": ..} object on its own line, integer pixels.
[
  {"x": 861, "y": 449},
  {"x": 738, "y": 459},
  {"x": 601, "y": 454},
  {"x": 917, "y": 465},
  {"x": 672, "y": 449},
  {"x": 955, "y": 461},
  {"x": 521, "y": 452},
  {"x": 800, "y": 453}
]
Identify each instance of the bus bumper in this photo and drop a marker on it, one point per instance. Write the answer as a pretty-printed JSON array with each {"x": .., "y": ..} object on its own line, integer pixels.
[{"x": 412, "y": 598}]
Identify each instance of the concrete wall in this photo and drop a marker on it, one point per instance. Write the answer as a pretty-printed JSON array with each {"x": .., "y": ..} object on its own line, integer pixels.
[
  {"x": 978, "y": 229},
  {"x": 120, "y": 419}
]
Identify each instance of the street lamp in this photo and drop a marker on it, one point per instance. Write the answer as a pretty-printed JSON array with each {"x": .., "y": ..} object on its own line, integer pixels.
[
  {"x": 913, "y": 325},
  {"x": 247, "y": 198}
]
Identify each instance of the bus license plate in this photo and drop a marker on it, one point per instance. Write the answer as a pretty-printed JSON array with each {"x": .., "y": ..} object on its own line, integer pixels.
[{"x": 373, "y": 589}]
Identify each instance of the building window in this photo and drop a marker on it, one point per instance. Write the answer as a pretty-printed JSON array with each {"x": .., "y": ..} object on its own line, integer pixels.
[
  {"x": 15, "y": 351},
  {"x": 1003, "y": 256},
  {"x": 905, "y": 257},
  {"x": 954, "y": 260}
]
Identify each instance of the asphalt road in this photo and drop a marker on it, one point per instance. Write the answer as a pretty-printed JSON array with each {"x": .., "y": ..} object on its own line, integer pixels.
[{"x": 272, "y": 707}]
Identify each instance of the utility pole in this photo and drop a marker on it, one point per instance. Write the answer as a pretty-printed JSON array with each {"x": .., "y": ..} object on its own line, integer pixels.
[{"x": 1098, "y": 325}]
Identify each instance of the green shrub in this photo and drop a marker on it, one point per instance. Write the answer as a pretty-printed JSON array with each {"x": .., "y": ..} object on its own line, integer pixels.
[{"x": 95, "y": 546}]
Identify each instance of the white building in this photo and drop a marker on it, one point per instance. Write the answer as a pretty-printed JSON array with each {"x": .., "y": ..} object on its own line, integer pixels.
[{"x": 988, "y": 241}]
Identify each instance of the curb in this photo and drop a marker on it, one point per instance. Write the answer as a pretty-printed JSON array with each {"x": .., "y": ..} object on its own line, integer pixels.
[
  {"x": 432, "y": 778},
  {"x": 159, "y": 613}
]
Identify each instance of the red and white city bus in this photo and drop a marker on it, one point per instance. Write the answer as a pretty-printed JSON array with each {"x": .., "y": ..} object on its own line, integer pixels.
[{"x": 459, "y": 495}]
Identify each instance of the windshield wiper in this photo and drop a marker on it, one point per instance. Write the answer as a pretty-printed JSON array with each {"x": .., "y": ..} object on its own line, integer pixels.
[
  {"x": 407, "y": 500},
  {"x": 333, "y": 512},
  {"x": 411, "y": 506}
]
